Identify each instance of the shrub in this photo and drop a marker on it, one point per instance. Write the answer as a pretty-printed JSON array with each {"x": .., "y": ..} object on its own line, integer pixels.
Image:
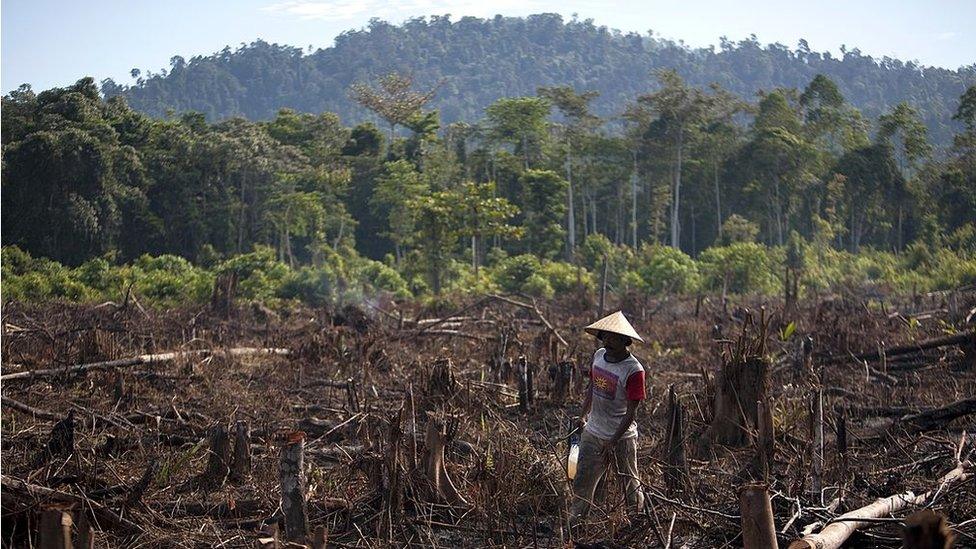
[
  {"x": 744, "y": 266},
  {"x": 316, "y": 286},
  {"x": 662, "y": 269},
  {"x": 259, "y": 274},
  {"x": 512, "y": 273}
]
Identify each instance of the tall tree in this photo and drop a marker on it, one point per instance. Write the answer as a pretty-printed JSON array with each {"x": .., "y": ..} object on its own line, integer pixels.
[
  {"x": 575, "y": 109},
  {"x": 679, "y": 109},
  {"x": 394, "y": 100},
  {"x": 520, "y": 121}
]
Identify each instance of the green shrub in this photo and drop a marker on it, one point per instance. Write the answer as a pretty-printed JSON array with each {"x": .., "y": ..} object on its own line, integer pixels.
[
  {"x": 512, "y": 273},
  {"x": 565, "y": 277},
  {"x": 661, "y": 269},
  {"x": 259, "y": 274},
  {"x": 316, "y": 286},
  {"x": 744, "y": 266}
]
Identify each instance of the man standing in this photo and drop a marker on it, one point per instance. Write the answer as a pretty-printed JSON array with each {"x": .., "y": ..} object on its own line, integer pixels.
[{"x": 610, "y": 434}]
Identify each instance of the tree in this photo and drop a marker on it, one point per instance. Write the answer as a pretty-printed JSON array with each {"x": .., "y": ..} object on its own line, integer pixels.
[
  {"x": 483, "y": 215},
  {"x": 679, "y": 110},
  {"x": 395, "y": 192},
  {"x": 544, "y": 204},
  {"x": 520, "y": 121},
  {"x": 575, "y": 108},
  {"x": 394, "y": 100},
  {"x": 903, "y": 122}
]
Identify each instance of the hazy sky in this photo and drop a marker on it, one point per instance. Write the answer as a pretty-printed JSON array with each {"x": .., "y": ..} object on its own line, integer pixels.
[{"x": 54, "y": 42}]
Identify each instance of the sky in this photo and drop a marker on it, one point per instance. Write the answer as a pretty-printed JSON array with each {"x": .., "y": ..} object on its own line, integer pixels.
[{"x": 49, "y": 43}]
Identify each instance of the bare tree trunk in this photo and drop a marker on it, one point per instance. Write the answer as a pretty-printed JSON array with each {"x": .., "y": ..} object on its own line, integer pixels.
[
  {"x": 571, "y": 212},
  {"x": 240, "y": 468},
  {"x": 633, "y": 204},
  {"x": 718, "y": 204},
  {"x": 291, "y": 478},
  {"x": 758, "y": 527},
  {"x": 676, "y": 197}
]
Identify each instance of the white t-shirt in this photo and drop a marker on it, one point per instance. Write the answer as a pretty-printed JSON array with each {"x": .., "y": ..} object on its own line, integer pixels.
[{"x": 613, "y": 384}]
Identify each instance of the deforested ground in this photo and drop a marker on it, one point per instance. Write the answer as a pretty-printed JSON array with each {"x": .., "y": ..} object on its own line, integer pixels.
[{"x": 419, "y": 425}]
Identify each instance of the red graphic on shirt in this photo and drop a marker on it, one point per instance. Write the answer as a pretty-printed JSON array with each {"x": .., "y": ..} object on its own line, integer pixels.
[{"x": 604, "y": 383}]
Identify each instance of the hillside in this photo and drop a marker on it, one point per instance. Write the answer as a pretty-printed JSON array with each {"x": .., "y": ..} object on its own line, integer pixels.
[{"x": 480, "y": 60}]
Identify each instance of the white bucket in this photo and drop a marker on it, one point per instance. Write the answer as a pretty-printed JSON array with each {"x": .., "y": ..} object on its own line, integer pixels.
[{"x": 571, "y": 461}]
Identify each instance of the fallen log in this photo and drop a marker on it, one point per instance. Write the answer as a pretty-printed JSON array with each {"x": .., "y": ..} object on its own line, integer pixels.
[
  {"x": 37, "y": 413},
  {"x": 939, "y": 417},
  {"x": 135, "y": 361},
  {"x": 836, "y": 532},
  {"x": 957, "y": 339},
  {"x": 104, "y": 515}
]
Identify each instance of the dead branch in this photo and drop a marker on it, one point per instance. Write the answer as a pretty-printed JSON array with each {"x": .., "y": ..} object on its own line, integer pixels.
[
  {"x": 104, "y": 515},
  {"x": 939, "y": 417},
  {"x": 837, "y": 531},
  {"x": 134, "y": 361}
]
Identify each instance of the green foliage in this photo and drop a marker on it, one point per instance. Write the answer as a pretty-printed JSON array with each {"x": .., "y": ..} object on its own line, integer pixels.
[
  {"x": 480, "y": 60},
  {"x": 743, "y": 267},
  {"x": 259, "y": 273},
  {"x": 663, "y": 269},
  {"x": 544, "y": 207}
]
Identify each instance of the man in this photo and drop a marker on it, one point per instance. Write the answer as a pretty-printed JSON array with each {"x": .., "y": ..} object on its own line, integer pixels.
[{"x": 610, "y": 434}]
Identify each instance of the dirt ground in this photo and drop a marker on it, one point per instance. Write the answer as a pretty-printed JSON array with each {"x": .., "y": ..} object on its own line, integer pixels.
[{"x": 366, "y": 385}]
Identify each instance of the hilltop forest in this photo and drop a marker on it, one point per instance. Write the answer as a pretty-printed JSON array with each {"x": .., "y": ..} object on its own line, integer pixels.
[{"x": 478, "y": 61}]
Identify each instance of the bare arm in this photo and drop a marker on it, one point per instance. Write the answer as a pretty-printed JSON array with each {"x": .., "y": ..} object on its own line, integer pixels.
[
  {"x": 587, "y": 402},
  {"x": 626, "y": 421}
]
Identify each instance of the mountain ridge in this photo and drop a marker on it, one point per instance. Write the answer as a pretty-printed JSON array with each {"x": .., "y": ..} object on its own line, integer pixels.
[{"x": 481, "y": 60}]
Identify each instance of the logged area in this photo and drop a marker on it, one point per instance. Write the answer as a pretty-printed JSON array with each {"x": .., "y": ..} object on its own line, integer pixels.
[{"x": 396, "y": 424}]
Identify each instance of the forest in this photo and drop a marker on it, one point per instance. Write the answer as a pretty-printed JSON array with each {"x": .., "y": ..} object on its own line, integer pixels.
[
  {"x": 478, "y": 61},
  {"x": 697, "y": 191}
]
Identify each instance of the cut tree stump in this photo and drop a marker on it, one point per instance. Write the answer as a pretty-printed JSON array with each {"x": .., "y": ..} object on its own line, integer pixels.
[
  {"x": 218, "y": 463},
  {"x": 740, "y": 383},
  {"x": 291, "y": 477},
  {"x": 926, "y": 529},
  {"x": 240, "y": 468},
  {"x": 439, "y": 433},
  {"x": 676, "y": 468},
  {"x": 54, "y": 529},
  {"x": 837, "y": 531},
  {"x": 758, "y": 527}
]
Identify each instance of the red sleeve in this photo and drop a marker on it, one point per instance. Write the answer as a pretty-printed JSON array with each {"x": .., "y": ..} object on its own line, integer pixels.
[{"x": 635, "y": 386}]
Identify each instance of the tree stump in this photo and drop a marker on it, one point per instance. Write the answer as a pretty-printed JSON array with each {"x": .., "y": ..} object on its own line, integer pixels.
[
  {"x": 218, "y": 462},
  {"x": 676, "y": 468},
  {"x": 240, "y": 468},
  {"x": 926, "y": 529},
  {"x": 740, "y": 383},
  {"x": 54, "y": 529},
  {"x": 439, "y": 433},
  {"x": 61, "y": 441},
  {"x": 758, "y": 527},
  {"x": 562, "y": 379},
  {"x": 291, "y": 477}
]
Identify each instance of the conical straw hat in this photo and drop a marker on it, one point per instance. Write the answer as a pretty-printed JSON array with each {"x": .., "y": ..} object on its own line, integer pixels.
[{"x": 616, "y": 323}]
